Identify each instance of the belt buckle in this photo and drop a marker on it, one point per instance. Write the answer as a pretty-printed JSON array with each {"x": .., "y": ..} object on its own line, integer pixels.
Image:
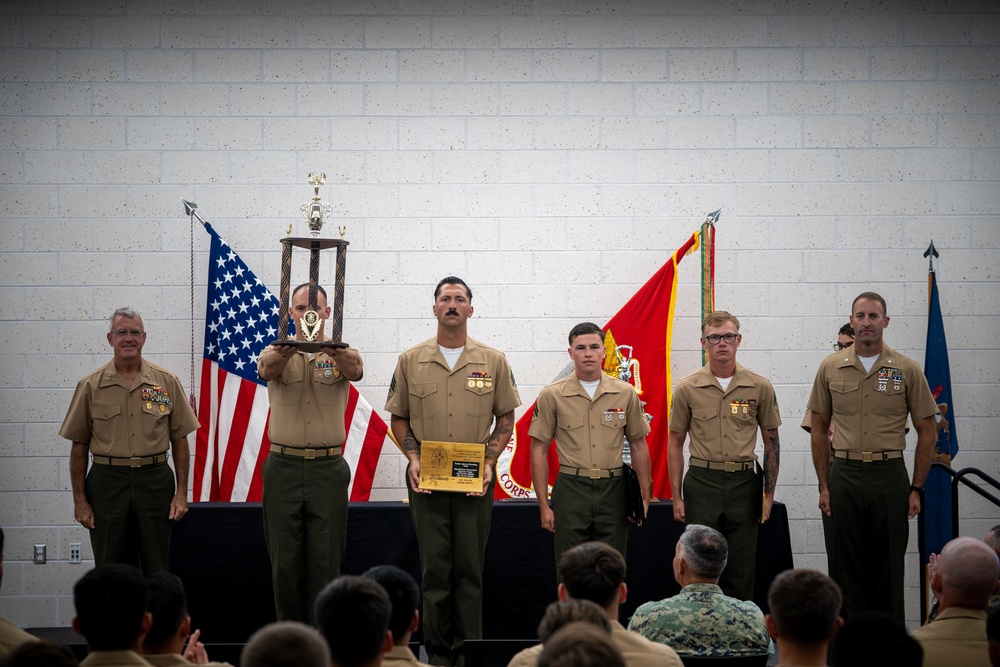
[
  {"x": 729, "y": 466},
  {"x": 595, "y": 473},
  {"x": 866, "y": 457},
  {"x": 309, "y": 453},
  {"x": 135, "y": 462}
]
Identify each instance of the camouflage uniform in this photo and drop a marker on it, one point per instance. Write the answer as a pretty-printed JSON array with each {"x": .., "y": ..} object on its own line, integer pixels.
[{"x": 701, "y": 620}]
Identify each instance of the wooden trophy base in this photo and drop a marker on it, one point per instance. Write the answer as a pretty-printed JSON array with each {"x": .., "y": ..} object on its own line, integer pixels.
[{"x": 310, "y": 345}]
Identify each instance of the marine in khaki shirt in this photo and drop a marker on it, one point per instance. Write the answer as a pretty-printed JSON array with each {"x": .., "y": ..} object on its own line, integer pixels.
[
  {"x": 127, "y": 415},
  {"x": 590, "y": 415}
]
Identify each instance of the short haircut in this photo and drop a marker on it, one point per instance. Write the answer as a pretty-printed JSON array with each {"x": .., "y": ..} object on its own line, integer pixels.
[
  {"x": 452, "y": 280},
  {"x": 717, "y": 318},
  {"x": 805, "y": 605},
  {"x": 705, "y": 550},
  {"x": 404, "y": 594},
  {"x": 968, "y": 568},
  {"x": 319, "y": 288},
  {"x": 580, "y": 644},
  {"x": 352, "y": 614},
  {"x": 584, "y": 328},
  {"x": 285, "y": 644},
  {"x": 127, "y": 312},
  {"x": 874, "y": 639},
  {"x": 846, "y": 330},
  {"x": 168, "y": 605},
  {"x": 871, "y": 296},
  {"x": 592, "y": 571},
  {"x": 563, "y": 612},
  {"x": 992, "y": 539},
  {"x": 40, "y": 654},
  {"x": 110, "y": 605}
]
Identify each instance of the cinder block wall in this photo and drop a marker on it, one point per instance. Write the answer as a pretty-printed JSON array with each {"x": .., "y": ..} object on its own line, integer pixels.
[{"x": 553, "y": 153}]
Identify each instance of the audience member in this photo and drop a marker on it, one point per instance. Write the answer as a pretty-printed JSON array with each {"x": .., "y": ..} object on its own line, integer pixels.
[
  {"x": 111, "y": 615},
  {"x": 595, "y": 571},
  {"x": 285, "y": 644},
  {"x": 965, "y": 580},
  {"x": 40, "y": 654},
  {"x": 992, "y": 540},
  {"x": 353, "y": 614},
  {"x": 805, "y": 615},
  {"x": 580, "y": 644},
  {"x": 874, "y": 639},
  {"x": 171, "y": 628},
  {"x": 558, "y": 614},
  {"x": 701, "y": 619},
  {"x": 10, "y": 636},
  {"x": 404, "y": 594},
  {"x": 993, "y": 636}
]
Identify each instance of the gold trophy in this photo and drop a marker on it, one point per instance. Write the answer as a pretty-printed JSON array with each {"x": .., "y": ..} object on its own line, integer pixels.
[{"x": 309, "y": 324}]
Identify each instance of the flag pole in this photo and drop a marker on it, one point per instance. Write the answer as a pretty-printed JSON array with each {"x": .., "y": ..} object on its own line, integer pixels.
[
  {"x": 190, "y": 209},
  {"x": 708, "y": 269}
]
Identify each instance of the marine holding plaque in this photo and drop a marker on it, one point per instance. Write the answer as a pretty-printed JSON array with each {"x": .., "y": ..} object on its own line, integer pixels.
[
  {"x": 452, "y": 401},
  {"x": 305, "y": 476}
]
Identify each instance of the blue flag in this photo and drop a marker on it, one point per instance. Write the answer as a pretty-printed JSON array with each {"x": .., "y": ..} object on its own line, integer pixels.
[{"x": 937, "y": 487}]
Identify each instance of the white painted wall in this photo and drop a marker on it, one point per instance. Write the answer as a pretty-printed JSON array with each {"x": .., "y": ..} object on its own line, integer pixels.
[{"x": 553, "y": 153}]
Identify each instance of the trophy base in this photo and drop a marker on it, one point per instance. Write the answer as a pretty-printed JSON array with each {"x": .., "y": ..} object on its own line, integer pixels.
[{"x": 310, "y": 345}]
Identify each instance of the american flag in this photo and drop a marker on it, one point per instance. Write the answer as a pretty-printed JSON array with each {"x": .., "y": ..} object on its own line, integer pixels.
[{"x": 241, "y": 319}]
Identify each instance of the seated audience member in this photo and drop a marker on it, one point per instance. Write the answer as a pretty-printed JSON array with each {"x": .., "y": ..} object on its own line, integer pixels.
[
  {"x": 353, "y": 614},
  {"x": 10, "y": 636},
  {"x": 874, "y": 639},
  {"x": 993, "y": 635},
  {"x": 404, "y": 594},
  {"x": 285, "y": 644},
  {"x": 111, "y": 615},
  {"x": 558, "y": 614},
  {"x": 580, "y": 644},
  {"x": 805, "y": 615},
  {"x": 965, "y": 580},
  {"x": 40, "y": 654},
  {"x": 595, "y": 571},
  {"x": 992, "y": 540},
  {"x": 701, "y": 619},
  {"x": 171, "y": 625}
]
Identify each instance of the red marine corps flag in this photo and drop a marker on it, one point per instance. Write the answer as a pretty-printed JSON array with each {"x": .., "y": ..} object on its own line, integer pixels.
[
  {"x": 637, "y": 341},
  {"x": 232, "y": 443}
]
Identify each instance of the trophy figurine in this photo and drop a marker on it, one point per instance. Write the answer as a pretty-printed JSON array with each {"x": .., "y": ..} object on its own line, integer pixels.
[{"x": 310, "y": 323}]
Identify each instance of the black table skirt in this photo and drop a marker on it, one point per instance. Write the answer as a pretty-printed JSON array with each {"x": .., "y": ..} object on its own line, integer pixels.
[{"x": 218, "y": 550}]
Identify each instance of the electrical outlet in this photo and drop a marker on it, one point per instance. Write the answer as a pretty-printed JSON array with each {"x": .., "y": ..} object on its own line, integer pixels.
[
  {"x": 39, "y": 554},
  {"x": 74, "y": 552}
]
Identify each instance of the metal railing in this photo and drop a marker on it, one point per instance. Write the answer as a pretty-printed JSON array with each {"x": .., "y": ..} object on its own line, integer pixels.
[{"x": 957, "y": 478}]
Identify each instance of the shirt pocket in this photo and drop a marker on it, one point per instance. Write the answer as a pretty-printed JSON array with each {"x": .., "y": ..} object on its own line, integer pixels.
[
  {"x": 478, "y": 401},
  {"x": 291, "y": 392},
  {"x": 105, "y": 423},
  {"x": 844, "y": 396},
  {"x": 423, "y": 400},
  {"x": 326, "y": 391},
  {"x": 613, "y": 431},
  {"x": 156, "y": 421},
  {"x": 705, "y": 424}
]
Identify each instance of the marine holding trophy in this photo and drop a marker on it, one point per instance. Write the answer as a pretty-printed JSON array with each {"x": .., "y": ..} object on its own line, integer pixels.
[
  {"x": 452, "y": 403},
  {"x": 305, "y": 476}
]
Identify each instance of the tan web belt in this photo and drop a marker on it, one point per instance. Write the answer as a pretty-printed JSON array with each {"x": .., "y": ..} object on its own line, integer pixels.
[
  {"x": 307, "y": 452},
  {"x": 592, "y": 473},
  {"x": 727, "y": 466},
  {"x": 867, "y": 457},
  {"x": 129, "y": 461}
]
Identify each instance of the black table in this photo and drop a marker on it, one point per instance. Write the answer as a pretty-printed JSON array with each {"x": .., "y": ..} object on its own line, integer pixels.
[{"x": 218, "y": 550}]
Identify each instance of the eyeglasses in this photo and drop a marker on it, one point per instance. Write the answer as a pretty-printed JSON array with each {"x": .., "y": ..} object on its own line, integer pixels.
[
  {"x": 714, "y": 339},
  {"x": 134, "y": 333},
  {"x": 839, "y": 347}
]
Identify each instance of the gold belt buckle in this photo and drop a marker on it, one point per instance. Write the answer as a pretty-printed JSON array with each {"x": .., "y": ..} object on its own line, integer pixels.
[
  {"x": 730, "y": 466},
  {"x": 595, "y": 473},
  {"x": 310, "y": 453},
  {"x": 135, "y": 462},
  {"x": 866, "y": 457}
]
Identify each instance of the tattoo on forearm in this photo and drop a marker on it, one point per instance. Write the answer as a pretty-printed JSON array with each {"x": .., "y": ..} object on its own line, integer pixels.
[
  {"x": 500, "y": 436},
  {"x": 410, "y": 443},
  {"x": 772, "y": 457}
]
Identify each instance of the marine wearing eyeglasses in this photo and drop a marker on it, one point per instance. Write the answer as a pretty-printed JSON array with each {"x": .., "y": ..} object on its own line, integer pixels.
[
  {"x": 127, "y": 415},
  {"x": 721, "y": 407}
]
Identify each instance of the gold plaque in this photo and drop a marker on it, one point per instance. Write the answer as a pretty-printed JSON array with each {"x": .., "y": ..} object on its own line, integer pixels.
[{"x": 452, "y": 466}]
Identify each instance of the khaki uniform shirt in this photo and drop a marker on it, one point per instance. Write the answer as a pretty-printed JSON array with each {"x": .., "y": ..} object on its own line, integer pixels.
[
  {"x": 723, "y": 425},
  {"x": 400, "y": 656},
  {"x": 589, "y": 433},
  {"x": 177, "y": 660},
  {"x": 956, "y": 637},
  {"x": 122, "y": 421},
  {"x": 639, "y": 651},
  {"x": 455, "y": 405},
  {"x": 113, "y": 659},
  {"x": 12, "y": 636},
  {"x": 308, "y": 401},
  {"x": 869, "y": 409}
]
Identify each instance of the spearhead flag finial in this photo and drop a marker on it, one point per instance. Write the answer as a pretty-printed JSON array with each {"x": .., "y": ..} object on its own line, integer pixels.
[
  {"x": 191, "y": 210},
  {"x": 931, "y": 253},
  {"x": 713, "y": 217}
]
